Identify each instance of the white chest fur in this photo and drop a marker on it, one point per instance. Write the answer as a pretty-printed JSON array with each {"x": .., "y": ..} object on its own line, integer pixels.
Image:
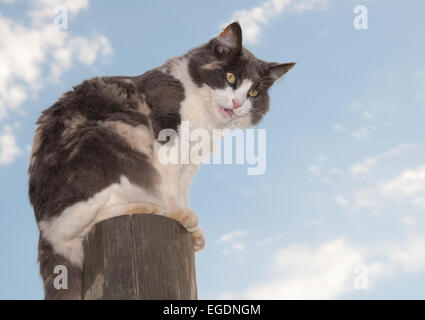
[
  {"x": 175, "y": 182},
  {"x": 176, "y": 178}
]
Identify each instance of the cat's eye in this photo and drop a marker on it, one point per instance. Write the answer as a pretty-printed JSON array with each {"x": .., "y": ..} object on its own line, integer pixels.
[
  {"x": 253, "y": 93},
  {"x": 230, "y": 78}
]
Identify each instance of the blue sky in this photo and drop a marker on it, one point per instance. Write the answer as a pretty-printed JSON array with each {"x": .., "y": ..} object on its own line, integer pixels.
[{"x": 343, "y": 195}]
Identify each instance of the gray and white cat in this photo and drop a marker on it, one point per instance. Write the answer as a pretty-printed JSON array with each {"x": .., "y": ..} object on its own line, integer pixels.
[{"x": 95, "y": 151}]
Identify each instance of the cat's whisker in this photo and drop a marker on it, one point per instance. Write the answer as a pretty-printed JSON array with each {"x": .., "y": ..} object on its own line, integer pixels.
[{"x": 256, "y": 113}]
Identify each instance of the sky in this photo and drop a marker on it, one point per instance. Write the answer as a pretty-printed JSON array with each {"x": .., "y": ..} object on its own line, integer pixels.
[{"x": 339, "y": 212}]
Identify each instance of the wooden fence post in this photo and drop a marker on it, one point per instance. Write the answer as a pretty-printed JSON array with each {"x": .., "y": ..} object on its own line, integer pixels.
[{"x": 138, "y": 257}]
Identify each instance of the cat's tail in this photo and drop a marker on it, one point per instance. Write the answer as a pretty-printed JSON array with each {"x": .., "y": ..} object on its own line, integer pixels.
[{"x": 62, "y": 279}]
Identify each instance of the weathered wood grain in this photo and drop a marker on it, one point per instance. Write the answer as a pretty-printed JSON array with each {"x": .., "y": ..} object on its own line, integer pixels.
[{"x": 139, "y": 257}]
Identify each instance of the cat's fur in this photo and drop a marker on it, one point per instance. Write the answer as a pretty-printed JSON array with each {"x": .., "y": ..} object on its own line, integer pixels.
[{"x": 95, "y": 150}]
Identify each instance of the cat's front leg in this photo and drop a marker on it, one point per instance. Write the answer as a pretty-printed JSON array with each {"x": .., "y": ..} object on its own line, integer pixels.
[{"x": 190, "y": 221}]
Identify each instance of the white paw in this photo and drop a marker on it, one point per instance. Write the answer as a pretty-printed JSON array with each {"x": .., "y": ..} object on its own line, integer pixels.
[
  {"x": 198, "y": 239},
  {"x": 187, "y": 218},
  {"x": 190, "y": 221}
]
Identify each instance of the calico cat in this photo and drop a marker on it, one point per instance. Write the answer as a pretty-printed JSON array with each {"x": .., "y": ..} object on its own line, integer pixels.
[{"x": 95, "y": 151}]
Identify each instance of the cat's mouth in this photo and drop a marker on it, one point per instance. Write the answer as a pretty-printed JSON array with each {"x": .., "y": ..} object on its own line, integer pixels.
[{"x": 225, "y": 112}]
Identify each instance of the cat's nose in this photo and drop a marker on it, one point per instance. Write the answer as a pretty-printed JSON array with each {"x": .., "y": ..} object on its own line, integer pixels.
[{"x": 236, "y": 104}]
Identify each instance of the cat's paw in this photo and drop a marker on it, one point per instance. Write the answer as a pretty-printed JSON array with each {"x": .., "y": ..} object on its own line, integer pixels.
[
  {"x": 190, "y": 221},
  {"x": 198, "y": 240},
  {"x": 187, "y": 218}
]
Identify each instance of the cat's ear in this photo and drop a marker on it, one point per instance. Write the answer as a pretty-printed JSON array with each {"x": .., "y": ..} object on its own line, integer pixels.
[
  {"x": 277, "y": 70},
  {"x": 229, "y": 41}
]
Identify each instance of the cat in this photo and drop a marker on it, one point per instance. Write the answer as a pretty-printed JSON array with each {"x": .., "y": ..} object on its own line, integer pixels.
[{"x": 95, "y": 151}]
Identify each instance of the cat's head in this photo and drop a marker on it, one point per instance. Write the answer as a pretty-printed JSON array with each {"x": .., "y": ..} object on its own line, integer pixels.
[{"x": 237, "y": 81}]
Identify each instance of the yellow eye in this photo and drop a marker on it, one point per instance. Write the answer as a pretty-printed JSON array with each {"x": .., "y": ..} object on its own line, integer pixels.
[
  {"x": 253, "y": 93},
  {"x": 230, "y": 78}
]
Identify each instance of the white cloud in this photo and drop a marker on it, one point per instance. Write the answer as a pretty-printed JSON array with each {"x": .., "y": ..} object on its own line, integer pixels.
[
  {"x": 322, "y": 157},
  {"x": 406, "y": 257},
  {"x": 372, "y": 115},
  {"x": 314, "y": 222},
  {"x": 338, "y": 127},
  {"x": 365, "y": 166},
  {"x": 264, "y": 242},
  {"x": 33, "y": 51},
  {"x": 366, "y": 198},
  {"x": 330, "y": 270},
  {"x": 320, "y": 169},
  {"x": 408, "y": 186},
  {"x": 234, "y": 241},
  {"x": 335, "y": 170},
  {"x": 304, "y": 272},
  {"x": 362, "y": 167},
  {"x": 231, "y": 236},
  {"x": 8, "y": 147},
  {"x": 269, "y": 240},
  {"x": 252, "y": 20},
  {"x": 367, "y": 115},
  {"x": 244, "y": 191},
  {"x": 372, "y": 106},
  {"x": 360, "y": 133},
  {"x": 409, "y": 221},
  {"x": 341, "y": 201},
  {"x": 238, "y": 246},
  {"x": 313, "y": 169},
  {"x": 306, "y": 5}
]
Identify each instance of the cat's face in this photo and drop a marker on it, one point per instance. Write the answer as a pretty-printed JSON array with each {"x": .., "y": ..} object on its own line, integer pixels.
[{"x": 237, "y": 81}]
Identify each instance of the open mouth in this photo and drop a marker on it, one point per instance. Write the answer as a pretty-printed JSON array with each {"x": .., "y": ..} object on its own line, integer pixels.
[{"x": 225, "y": 112}]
